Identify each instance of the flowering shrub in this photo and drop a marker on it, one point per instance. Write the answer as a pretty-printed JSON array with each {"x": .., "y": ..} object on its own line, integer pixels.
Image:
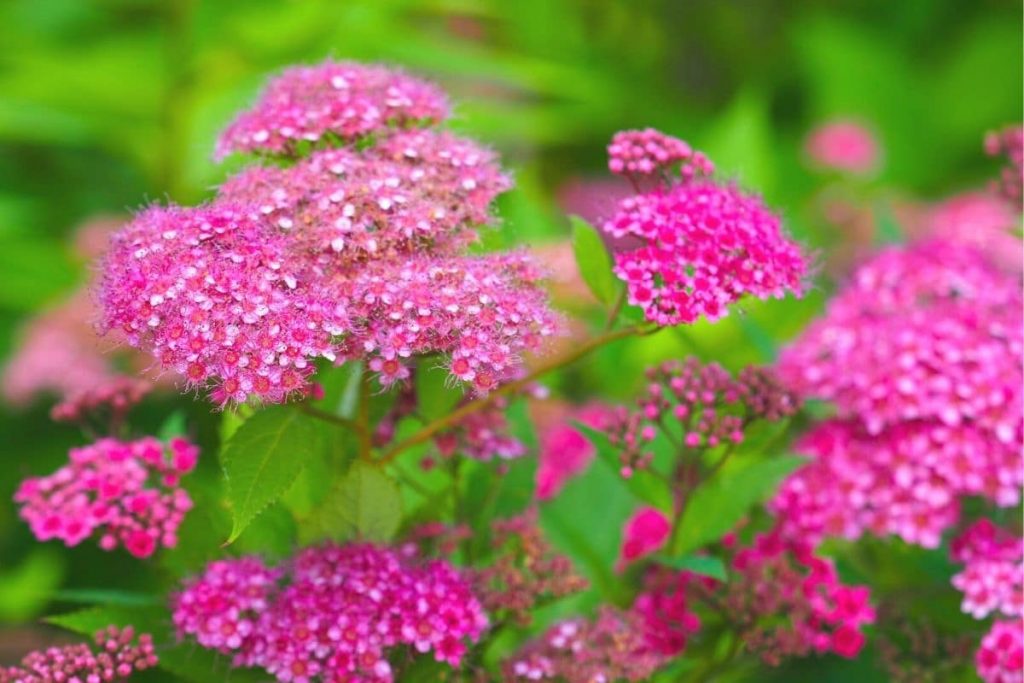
[{"x": 399, "y": 498}]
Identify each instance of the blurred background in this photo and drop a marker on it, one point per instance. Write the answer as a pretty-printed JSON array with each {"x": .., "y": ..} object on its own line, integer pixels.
[{"x": 107, "y": 105}]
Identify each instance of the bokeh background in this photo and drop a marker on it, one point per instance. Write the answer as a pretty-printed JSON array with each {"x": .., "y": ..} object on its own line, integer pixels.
[{"x": 106, "y": 105}]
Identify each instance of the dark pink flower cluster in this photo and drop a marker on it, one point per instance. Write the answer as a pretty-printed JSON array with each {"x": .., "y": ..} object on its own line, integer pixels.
[
  {"x": 637, "y": 153},
  {"x": 992, "y": 579},
  {"x": 843, "y": 146},
  {"x": 1009, "y": 143},
  {"x": 795, "y": 601},
  {"x": 704, "y": 246},
  {"x": 331, "y": 101},
  {"x": 905, "y": 481},
  {"x": 1000, "y": 659},
  {"x": 701, "y": 405},
  {"x": 665, "y": 608},
  {"x": 564, "y": 452},
  {"x": 128, "y": 492},
  {"x": 646, "y": 531},
  {"x": 352, "y": 252},
  {"x": 332, "y": 614},
  {"x": 117, "y": 658},
  {"x": 611, "y": 647}
]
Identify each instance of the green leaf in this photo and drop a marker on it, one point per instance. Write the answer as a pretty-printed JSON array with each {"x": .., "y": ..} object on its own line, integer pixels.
[
  {"x": 705, "y": 565},
  {"x": 262, "y": 459},
  {"x": 888, "y": 231},
  {"x": 644, "y": 485},
  {"x": 365, "y": 504},
  {"x": 92, "y": 596},
  {"x": 718, "y": 505},
  {"x": 173, "y": 426},
  {"x": 435, "y": 398},
  {"x": 594, "y": 262}
]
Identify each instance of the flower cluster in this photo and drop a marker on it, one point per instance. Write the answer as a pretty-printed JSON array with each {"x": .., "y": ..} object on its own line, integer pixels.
[
  {"x": 794, "y": 601},
  {"x": 992, "y": 579},
  {"x": 116, "y": 396},
  {"x": 564, "y": 452},
  {"x": 334, "y": 100},
  {"x": 352, "y": 252},
  {"x": 118, "y": 657},
  {"x": 1009, "y": 142},
  {"x": 333, "y": 613},
  {"x": 983, "y": 221},
  {"x": 1000, "y": 659},
  {"x": 844, "y": 146},
  {"x": 637, "y": 153},
  {"x": 704, "y": 245},
  {"x": 701, "y": 405},
  {"x": 645, "y": 533},
  {"x": 611, "y": 647},
  {"x": 665, "y": 608},
  {"x": 128, "y": 492}
]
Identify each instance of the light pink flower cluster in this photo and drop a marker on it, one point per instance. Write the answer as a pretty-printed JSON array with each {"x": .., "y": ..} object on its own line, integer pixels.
[
  {"x": 702, "y": 405},
  {"x": 115, "y": 396},
  {"x": 1000, "y": 659},
  {"x": 704, "y": 245},
  {"x": 637, "y": 153},
  {"x": 646, "y": 531},
  {"x": 564, "y": 451},
  {"x": 128, "y": 492},
  {"x": 117, "y": 658},
  {"x": 982, "y": 220},
  {"x": 332, "y": 614},
  {"x": 331, "y": 101},
  {"x": 350, "y": 253},
  {"x": 795, "y": 601},
  {"x": 843, "y": 146},
  {"x": 611, "y": 647},
  {"x": 1009, "y": 143},
  {"x": 992, "y": 579}
]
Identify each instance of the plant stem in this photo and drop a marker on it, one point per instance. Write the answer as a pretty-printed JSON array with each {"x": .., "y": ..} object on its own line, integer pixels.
[
  {"x": 363, "y": 418},
  {"x": 459, "y": 414},
  {"x": 613, "y": 315},
  {"x": 329, "y": 417}
]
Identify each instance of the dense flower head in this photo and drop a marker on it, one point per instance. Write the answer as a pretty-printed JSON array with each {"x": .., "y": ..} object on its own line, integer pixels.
[
  {"x": 332, "y": 613},
  {"x": 1000, "y": 658},
  {"x": 704, "y": 247},
  {"x": 331, "y": 101},
  {"x": 906, "y": 480},
  {"x": 564, "y": 452},
  {"x": 115, "y": 396},
  {"x": 794, "y": 601},
  {"x": 645, "y": 532},
  {"x": 702, "y": 405},
  {"x": 843, "y": 146},
  {"x": 611, "y": 647},
  {"x": 482, "y": 435},
  {"x": 665, "y": 608},
  {"x": 927, "y": 332},
  {"x": 127, "y": 492},
  {"x": 1009, "y": 143},
  {"x": 118, "y": 656},
  {"x": 992, "y": 579},
  {"x": 637, "y": 153},
  {"x": 983, "y": 220}
]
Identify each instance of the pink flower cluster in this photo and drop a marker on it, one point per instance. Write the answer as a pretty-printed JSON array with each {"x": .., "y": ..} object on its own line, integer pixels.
[
  {"x": 332, "y": 614},
  {"x": 637, "y": 153},
  {"x": 665, "y": 608},
  {"x": 350, "y": 253},
  {"x": 1000, "y": 659},
  {"x": 921, "y": 353},
  {"x": 331, "y": 101},
  {"x": 700, "y": 404},
  {"x": 482, "y": 435},
  {"x": 564, "y": 452},
  {"x": 646, "y": 531},
  {"x": 982, "y": 220},
  {"x": 843, "y": 146},
  {"x": 992, "y": 579},
  {"x": 704, "y": 245},
  {"x": 115, "y": 396},
  {"x": 1009, "y": 143},
  {"x": 611, "y": 647},
  {"x": 128, "y": 492},
  {"x": 118, "y": 658}
]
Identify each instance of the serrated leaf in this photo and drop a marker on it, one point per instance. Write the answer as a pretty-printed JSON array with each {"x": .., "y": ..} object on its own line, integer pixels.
[
  {"x": 434, "y": 397},
  {"x": 718, "y": 505},
  {"x": 705, "y": 565},
  {"x": 594, "y": 261},
  {"x": 365, "y": 504},
  {"x": 262, "y": 459}
]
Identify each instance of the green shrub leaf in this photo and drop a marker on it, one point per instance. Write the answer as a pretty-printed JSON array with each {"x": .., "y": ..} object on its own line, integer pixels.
[{"x": 594, "y": 262}]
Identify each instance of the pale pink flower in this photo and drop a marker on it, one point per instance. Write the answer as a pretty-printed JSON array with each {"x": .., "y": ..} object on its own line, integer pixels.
[
  {"x": 117, "y": 657},
  {"x": 845, "y": 146}
]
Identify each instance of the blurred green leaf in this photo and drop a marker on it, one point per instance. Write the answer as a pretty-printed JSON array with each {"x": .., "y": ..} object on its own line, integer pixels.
[
  {"x": 644, "y": 485},
  {"x": 594, "y": 262},
  {"x": 705, "y": 565},
  {"x": 365, "y": 505},
  {"x": 27, "y": 587},
  {"x": 435, "y": 396}
]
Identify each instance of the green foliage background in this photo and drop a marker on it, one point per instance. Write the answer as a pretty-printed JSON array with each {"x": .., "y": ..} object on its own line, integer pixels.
[{"x": 106, "y": 105}]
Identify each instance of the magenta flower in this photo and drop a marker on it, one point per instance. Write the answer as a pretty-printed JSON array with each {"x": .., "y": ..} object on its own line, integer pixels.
[
  {"x": 127, "y": 492},
  {"x": 1009, "y": 143},
  {"x": 646, "y": 531},
  {"x": 992, "y": 579},
  {"x": 639, "y": 153},
  {"x": 117, "y": 658},
  {"x": 666, "y": 609},
  {"x": 565, "y": 452},
  {"x": 844, "y": 146},
  {"x": 331, "y": 101},
  {"x": 1000, "y": 658}
]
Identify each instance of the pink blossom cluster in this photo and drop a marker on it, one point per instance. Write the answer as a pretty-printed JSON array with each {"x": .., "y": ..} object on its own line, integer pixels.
[
  {"x": 331, "y": 614},
  {"x": 128, "y": 492},
  {"x": 795, "y": 601},
  {"x": 117, "y": 658},
  {"x": 703, "y": 247},
  {"x": 1000, "y": 659},
  {"x": 665, "y": 607},
  {"x": 352, "y": 252},
  {"x": 637, "y": 153},
  {"x": 611, "y": 647},
  {"x": 845, "y": 146},
  {"x": 701, "y": 405},
  {"x": 982, "y": 220},
  {"x": 645, "y": 532},
  {"x": 992, "y": 579},
  {"x": 331, "y": 101},
  {"x": 115, "y": 396},
  {"x": 1009, "y": 143},
  {"x": 483, "y": 435},
  {"x": 564, "y": 452}
]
